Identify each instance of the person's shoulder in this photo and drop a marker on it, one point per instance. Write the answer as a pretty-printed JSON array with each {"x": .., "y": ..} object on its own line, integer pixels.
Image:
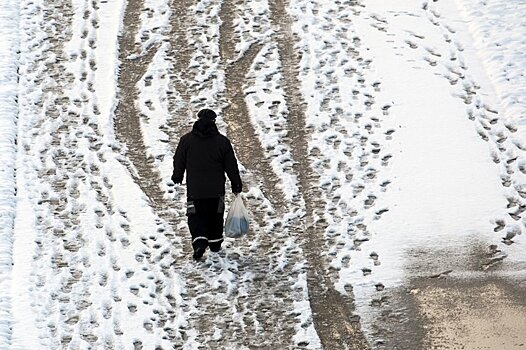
[
  {"x": 185, "y": 140},
  {"x": 223, "y": 139},
  {"x": 186, "y": 136}
]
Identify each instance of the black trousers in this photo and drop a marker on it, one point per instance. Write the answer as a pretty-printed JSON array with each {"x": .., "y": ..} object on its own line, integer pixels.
[{"x": 205, "y": 220}]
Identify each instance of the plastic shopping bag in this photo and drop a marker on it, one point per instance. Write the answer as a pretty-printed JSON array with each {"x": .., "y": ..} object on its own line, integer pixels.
[{"x": 237, "y": 221}]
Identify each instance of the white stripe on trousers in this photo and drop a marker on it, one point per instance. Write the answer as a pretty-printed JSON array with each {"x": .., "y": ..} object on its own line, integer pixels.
[{"x": 198, "y": 238}]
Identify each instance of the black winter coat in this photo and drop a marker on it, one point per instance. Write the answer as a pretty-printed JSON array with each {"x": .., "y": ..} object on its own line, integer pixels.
[{"x": 206, "y": 155}]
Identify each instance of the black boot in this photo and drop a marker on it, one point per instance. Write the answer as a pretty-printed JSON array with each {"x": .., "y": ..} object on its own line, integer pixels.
[{"x": 199, "y": 252}]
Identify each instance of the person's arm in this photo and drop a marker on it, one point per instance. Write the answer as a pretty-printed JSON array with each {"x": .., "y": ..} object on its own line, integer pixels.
[
  {"x": 179, "y": 162},
  {"x": 232, "y": 170}
]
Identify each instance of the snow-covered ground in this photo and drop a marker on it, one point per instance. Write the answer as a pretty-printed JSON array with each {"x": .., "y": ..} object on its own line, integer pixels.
[
  {"x": 9, "y": 46},
  {"x": 415, "y": 113},
  {"x": 456, "y": 156}
]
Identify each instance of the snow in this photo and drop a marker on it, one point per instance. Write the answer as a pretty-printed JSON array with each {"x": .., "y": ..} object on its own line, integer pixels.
[
  {"x": 252, "y": 25},
  {"x": 9, "y": 46},
  {"x": 497, "y": 30},
  {"x": 267, "y": 109},
  {"x": 154, "y": 110},
  {"x": 416, "y": 120},
  {"x": 404, "y": 80},
  {"x": 155, "y": 19},
  {"x": 445, "y": 190}
]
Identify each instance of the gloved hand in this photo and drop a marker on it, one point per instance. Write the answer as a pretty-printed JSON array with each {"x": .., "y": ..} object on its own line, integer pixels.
[
  {"x": 176, "y": 180},
  {"x": 237, "y": 188}
]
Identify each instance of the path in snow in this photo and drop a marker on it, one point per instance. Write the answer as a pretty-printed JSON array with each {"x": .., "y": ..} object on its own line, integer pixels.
[{"x": 257, "y": 284}]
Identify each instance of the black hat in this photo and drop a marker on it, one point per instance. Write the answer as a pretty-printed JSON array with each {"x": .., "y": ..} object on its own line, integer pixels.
[{"x": 207, "y": 114}]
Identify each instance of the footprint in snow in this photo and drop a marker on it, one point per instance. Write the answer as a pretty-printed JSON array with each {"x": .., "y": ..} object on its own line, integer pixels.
[
  {"x": 137, "y": 345},
  {"x": 357, "y": 242},
  {"x": 374, "y": 257},
  {"x": 388, "y": 134},
  {"x": 366, "y": 271},
  {"x": 483, "y": 135},
  {"x": 378, "y": 302},
  {"x": 380, "y": 212},
  {"x": 506, "y": 180},
  {"x": 431, "y": 61},
  {"x": 450, "y": 29},
  {"x": 379, "y": 287},
  {"x": 370, "y": 174},
  {"x": 411, "y": 44},
  {"x": 499, "y": 225},
  {"x": 385, "y": 159}
]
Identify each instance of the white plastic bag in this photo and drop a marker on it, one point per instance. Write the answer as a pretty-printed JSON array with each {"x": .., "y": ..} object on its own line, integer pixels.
[{"x": 237, "y": 221}]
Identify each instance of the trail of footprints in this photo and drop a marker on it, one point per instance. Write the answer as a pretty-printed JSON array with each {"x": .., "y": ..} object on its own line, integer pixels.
[
  {"x": 350, "y": 138},
  {"x": 69, "y": 172},
  {"x": 80, "y": 232},
  {"x": 506, "y": 150},
  {"x": 491, "y": 127}
]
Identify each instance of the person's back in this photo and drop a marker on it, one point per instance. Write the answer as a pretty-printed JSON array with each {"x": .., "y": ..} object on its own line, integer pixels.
[{"x": 206, "y": 155}]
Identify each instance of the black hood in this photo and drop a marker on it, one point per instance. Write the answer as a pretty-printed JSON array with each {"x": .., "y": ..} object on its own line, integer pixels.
[{"x": 205, "y": 127}]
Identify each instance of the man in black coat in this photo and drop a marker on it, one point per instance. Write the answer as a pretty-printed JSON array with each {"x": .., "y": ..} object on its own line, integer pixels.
[{"x": 206, "y": 155}]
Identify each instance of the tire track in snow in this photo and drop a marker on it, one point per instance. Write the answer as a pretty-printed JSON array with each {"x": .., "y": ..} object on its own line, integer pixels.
[
  {"x": 280, "y": 290},
  {"x": 127, "y": 123},
  {"x": 181, "y": 53},
  {"x": 332, "y": 311},
  {"x": 236, "y": 113}
]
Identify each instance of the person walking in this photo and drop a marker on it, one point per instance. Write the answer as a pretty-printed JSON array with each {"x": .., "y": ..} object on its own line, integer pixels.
[{"x": 206, "y": 155}]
